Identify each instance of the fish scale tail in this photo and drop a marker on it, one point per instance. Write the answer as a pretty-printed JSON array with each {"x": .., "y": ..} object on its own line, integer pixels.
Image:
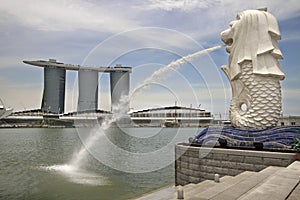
[{"x": 263, "y": 102}]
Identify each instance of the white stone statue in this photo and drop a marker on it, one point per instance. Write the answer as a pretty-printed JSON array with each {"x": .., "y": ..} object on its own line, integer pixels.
[{"x": 254, "y": 70}]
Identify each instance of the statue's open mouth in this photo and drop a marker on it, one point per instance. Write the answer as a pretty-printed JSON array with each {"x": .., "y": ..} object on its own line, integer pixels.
[
  {"x": 226, "y": 37},
  {"x": 229, "y": 43}
]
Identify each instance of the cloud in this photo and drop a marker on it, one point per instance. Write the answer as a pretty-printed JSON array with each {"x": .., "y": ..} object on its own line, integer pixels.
[
  {"x": 282, "y": 10},
  {"x": 289, "y": 93},
  {"x": 64, "y": 15},
  {"x": 26, "y": 97},
  {"x": 290, "y": 104},
  {"x": 139, "y": 43},
  {"x": 204, "y": 19},
  {"x": 185, "y": 5}
]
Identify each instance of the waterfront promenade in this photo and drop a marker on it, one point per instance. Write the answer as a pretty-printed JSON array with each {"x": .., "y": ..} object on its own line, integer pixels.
[{"x": 271, "y": 183}]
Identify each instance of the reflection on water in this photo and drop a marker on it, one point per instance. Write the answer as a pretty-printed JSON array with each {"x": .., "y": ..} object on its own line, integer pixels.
[
  {"x": 76, "y": 175},
  {"x": 32, "y": 163}
]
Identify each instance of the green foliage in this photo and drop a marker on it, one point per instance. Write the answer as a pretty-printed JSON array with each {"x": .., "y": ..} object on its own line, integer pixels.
[{"x": 296, "y": 144}]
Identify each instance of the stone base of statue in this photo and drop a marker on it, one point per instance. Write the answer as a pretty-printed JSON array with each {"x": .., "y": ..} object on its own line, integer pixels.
[{"x": 227, "y": 136}]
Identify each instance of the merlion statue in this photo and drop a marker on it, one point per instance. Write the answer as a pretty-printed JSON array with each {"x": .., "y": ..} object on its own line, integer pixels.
[{"x": 254, "y": 70}]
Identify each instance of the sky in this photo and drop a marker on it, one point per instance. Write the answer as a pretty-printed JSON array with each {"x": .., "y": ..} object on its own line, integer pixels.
[{"x": 146, "y": 35}]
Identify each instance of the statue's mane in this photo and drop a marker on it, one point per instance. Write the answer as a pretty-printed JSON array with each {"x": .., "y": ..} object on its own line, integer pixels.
[{"x": 255, "y": 39}]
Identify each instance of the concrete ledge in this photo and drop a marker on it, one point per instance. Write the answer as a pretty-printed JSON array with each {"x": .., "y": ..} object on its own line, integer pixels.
[{"x": 200, "y": 163}]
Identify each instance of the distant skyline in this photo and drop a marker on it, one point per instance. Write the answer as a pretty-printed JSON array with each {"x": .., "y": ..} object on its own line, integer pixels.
[{"x": 145, "y": 35}]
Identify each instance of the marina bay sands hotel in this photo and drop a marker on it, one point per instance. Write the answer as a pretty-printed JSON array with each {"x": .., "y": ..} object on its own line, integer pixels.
[{"x": 55, "y": 80}]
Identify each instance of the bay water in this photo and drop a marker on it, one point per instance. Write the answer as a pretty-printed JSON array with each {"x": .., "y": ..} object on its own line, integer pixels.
[{"x": 33, "y": 164}]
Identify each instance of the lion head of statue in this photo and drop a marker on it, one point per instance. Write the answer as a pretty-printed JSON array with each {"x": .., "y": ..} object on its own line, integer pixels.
[{"x": 253, "y": 36}]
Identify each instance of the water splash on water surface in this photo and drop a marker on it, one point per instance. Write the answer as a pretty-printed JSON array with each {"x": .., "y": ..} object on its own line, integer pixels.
[{"x": 76, "y": 175}]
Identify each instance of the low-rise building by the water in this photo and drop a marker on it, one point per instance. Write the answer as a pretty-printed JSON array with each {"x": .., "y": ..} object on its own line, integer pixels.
[
  {"x": 172, "y": 116},
  {"x": 289, "y": 121}
]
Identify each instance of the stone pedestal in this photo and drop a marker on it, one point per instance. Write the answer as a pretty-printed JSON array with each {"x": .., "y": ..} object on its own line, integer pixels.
[{"x": 196, "y": 164}]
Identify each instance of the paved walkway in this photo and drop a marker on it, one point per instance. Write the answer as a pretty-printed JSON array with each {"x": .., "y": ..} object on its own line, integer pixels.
[{"x": 272, "y": 183}]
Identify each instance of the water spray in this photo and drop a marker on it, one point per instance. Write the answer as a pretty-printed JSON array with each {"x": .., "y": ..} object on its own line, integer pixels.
[{"x": 117, "y": 109}]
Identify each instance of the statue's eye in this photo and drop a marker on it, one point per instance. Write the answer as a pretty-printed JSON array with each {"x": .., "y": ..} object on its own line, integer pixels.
[{"x": 232, "y": 23}]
